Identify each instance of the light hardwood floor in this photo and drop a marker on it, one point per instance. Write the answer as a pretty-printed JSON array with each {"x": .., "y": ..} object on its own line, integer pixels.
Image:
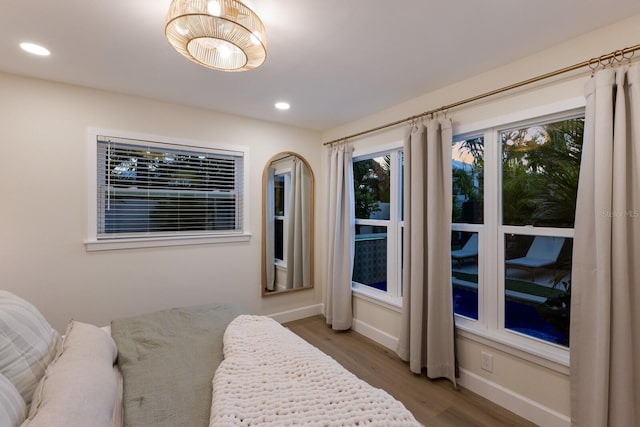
[{"x": 433, "y": 403}]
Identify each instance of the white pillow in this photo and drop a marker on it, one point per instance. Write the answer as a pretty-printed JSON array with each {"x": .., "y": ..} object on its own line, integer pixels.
[
  {"x": 13, "y": 410},
  {"x": 79, "y": 387},
  {"x": 27, "y": 343}
]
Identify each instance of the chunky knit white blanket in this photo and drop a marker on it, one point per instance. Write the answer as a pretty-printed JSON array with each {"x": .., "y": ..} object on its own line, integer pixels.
[{"x": 271, "y": 377}]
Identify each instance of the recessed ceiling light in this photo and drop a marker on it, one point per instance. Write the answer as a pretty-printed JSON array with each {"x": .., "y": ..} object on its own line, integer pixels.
[
  {"x": 35, "y": 49},
  {"x": 282, "y": 105}
]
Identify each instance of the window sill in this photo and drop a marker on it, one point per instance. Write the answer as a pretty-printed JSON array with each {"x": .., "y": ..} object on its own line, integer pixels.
[
  {"x": 156, "y": 242},
  {"x": 377, "y": 297},
  {"x": 547, "y": 355}
]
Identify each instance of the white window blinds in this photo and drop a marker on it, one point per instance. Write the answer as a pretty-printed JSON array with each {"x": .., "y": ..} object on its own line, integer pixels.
[{"x": 148, "y": 189}]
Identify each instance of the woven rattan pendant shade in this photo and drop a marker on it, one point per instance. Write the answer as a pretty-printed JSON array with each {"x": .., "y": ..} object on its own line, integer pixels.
[{"x": 220, "y": 34}]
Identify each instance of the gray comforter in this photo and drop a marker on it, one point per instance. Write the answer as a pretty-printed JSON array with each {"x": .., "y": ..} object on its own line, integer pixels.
[{"x": 168, "y": 359}]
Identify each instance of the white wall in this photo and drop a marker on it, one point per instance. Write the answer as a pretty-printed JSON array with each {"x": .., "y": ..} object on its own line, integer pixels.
[
  {"x": 43, "y": 207},
  {"x": 532, "y": 390},
  {"x": 607, "y": 39}
]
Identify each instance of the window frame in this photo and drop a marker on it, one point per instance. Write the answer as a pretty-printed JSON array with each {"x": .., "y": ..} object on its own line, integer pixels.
[
  {"x": 489, "y": 328},
  {"x": 392, "y": 298},
  {"x": 92, "y": 243}
]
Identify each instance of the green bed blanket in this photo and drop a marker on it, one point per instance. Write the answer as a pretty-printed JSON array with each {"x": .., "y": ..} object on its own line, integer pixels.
[{"x": 168, "y": 359}]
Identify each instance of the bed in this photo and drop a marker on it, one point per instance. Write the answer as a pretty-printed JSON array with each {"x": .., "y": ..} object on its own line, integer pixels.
[{"x": 195, "y": 366}]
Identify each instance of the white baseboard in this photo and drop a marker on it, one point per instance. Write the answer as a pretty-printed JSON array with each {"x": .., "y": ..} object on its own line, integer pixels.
[
  {"x": 375, "y": 334},
  {"x": 298, "y": 313},
  {"x": 514, "y": 402}
]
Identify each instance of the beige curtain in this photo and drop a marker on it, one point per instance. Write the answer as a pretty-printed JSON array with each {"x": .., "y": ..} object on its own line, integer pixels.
[
  {"x": 340, "y": 233},
  {"x": 298, "y": 243},
  {"x": 269, "y": 250},
  {"x": 427, "y": 335},
  {"x": 605, "y": 306}
]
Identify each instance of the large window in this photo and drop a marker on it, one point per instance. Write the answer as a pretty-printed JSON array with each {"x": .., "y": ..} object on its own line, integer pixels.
[
  {"x": 378, "y": 236},
  {"x": 154, "y": 190},
  {"x": 514, "y": 194},
  {"x": 540, "y": 168}
]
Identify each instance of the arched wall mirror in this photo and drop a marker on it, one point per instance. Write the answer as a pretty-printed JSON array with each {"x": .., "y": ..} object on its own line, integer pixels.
[{"x": 287, "y": 224}]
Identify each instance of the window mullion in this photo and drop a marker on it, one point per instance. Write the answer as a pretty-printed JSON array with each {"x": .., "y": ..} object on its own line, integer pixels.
[
  {"x": 489, "y": 306},
  {"x": 393, "y": 247},
  {"x": 536, "y": 231}
]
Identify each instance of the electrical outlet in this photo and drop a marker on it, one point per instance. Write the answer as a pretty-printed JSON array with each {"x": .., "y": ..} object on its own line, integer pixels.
[{"x": 487, "y": 362}]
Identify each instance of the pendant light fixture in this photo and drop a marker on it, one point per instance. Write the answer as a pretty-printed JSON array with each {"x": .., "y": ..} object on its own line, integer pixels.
[{"x": 219, "y": 34}]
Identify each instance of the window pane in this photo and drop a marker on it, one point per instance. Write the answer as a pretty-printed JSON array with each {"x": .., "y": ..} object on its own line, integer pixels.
[
  {"x": 143, "y": 211},
  {"x": 372, "y": 179},
  {"x": 540, "y": 166},
  {"x": 464, "y": 273},
  {"x": 278, "y": 195},
  {"x": 401, "y": 188},
  {"x": 467, "y": 169},
  {"x": 538, "y": 286},
  {"x": 278, "y": 239},
  {"x": 401, "y": 266},
  {"x": 370, "y": 265}
]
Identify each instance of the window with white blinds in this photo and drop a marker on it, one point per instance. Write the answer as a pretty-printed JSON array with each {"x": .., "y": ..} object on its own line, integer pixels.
[{"x": 149, "y": 189}]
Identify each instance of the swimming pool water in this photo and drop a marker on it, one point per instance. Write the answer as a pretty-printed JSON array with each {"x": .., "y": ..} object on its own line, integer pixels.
[{"x": 520, "y": 316}]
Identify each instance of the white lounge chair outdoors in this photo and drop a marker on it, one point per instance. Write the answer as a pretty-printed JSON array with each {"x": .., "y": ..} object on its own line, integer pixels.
[
  {"x": 469, "y": 250},
  {"x": 544, "y": 251}
]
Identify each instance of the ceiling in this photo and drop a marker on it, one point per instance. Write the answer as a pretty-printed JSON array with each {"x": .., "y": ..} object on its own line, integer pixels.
[{"x": 334, "y": 61}]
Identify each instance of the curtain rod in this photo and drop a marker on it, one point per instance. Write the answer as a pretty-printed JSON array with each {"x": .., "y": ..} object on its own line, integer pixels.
[{"x": 593, "y": 64}]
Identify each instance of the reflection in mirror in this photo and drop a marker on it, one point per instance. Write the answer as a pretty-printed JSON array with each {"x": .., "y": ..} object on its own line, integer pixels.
[{"x": 287, "y": 236}]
